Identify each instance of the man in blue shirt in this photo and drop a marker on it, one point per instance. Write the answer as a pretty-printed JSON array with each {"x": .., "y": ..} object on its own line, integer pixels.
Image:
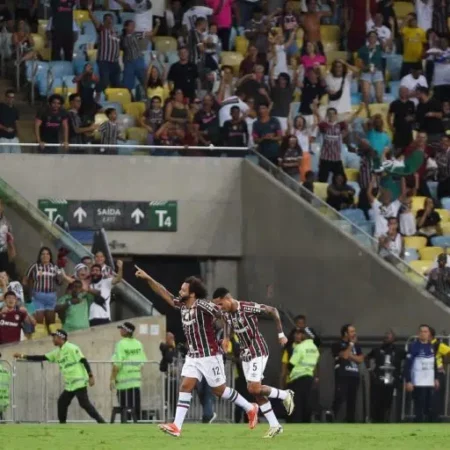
[{"x": 421, "y": 374}]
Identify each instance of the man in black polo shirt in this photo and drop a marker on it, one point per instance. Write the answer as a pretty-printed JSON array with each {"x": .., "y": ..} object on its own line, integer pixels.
[
  {"x": 49, "y": 125},
  {"x": 267, "y": 134},
  {"x": 184, "y": 75},
  {"x": 429, "y": 115},
  {"x": 348, "y": 356},
  {"x": 78, "y": 131},
  {"x": 235, "y": 131},
  {"x": 62, "y": 34},
  {"x": 253, "y": 86},
  {"x": 8, "y": 124},
  {"x": 312, "y": 91}
]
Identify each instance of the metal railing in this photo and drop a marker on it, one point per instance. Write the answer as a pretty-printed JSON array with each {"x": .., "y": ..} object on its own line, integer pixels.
[{"x": 34, "y": 389}]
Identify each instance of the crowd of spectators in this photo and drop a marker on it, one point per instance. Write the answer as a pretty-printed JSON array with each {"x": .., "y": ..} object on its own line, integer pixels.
[{"x": 47, "y": 298}]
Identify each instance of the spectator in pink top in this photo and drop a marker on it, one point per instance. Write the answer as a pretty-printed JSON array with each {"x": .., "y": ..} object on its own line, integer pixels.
[
  {"x": 312, "y": 58},
  {"x": 222, "y": 17}
]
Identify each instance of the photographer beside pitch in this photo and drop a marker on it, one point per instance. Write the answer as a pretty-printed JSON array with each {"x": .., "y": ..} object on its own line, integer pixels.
[{"x": 76, "y": 373}]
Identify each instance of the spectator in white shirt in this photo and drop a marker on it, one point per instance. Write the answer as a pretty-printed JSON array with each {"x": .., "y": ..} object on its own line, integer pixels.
[
  {"x": 412, "y": 82},
  {"x": 100, "y": 288},
  {"x": 424, "y": 11},
  {"x": 376, "y": 24}
]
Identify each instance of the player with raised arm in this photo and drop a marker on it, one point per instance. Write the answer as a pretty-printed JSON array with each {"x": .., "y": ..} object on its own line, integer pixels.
[
  {"x": 204, "y": 358},
  {"x": 242, "y": 318}
]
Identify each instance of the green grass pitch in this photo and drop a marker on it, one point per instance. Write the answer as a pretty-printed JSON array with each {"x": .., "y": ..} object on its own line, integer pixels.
[{"x": 216, "y": 436}]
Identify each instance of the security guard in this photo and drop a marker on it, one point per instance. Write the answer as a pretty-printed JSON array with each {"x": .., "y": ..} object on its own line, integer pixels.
[
  {"x": 126, "y": 374},
  {"x": 303, "y": 361},
  {"x": 5, "y": 380}
]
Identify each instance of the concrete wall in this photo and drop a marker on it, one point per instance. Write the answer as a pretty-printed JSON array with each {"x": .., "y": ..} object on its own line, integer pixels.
[
  {"x": 316, "y": 270},
  {"x": 38, "y": 386},
  {"x": 207, "y": 190}
]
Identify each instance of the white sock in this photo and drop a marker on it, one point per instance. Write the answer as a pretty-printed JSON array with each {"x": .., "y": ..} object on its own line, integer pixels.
[
  {"x": 267, "y": 410},
  {"x": 184, "y": 401},
  {"x": 277, "y": 393},
  {"x": 235, "y": 397}
]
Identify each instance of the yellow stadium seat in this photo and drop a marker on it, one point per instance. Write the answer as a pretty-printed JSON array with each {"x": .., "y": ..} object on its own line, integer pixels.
[
  {"x": 352, "y": 174},
  {"x": 137, "y": 134},
  {"x": 330, "y": 33},
  {"x": 39, "y": 42},
  {"x": 42, "y": 28},
  {"x": 164, "y": 44},
  {"x": 232, "y": 59},
  {"x": 379, "y": 108},
  {"x": 334, "y": 55},
  {"x": 241, "y": 44},
  {"x": 416, "y": 242},
  {"x": 421, "y": 266},
  {"x": 417, "y": 203},
  {"x": 46, "y": 54},
  {"x": 100, "y": 118},
  {"x": 362, "y": 113},
  {"x": 330, "y": 46},
  {"x": 135, "y": 109},
  {"x": 81, "y": 15},
  {"x": 402, "y": 9},
  {"x": 430, "y": 253},
  {"x": 161, "y": 92},
  {"x": 444, "y": 214},
  {"x": 40, "y": 331},
  {"x": 92, "y": 54},
  {"x": 119, "y": 95},
  {"x": 445, "y": 228},
  {"x": 320, "y": 189}
]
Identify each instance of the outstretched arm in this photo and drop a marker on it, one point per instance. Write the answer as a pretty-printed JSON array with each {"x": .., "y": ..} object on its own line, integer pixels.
[
  {"x": 35, "y": 358},
  {"x": 273, "y": 312},
  {"x": 156, "y": 287}
]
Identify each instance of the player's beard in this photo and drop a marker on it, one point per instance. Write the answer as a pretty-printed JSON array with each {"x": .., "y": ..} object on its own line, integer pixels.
[{"x": 184, "y": 299}]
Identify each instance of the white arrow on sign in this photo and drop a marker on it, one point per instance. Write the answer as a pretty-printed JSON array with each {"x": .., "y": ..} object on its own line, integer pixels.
[
  {"x": 80, "y": 214},
  {"x": 137, "y": 215}
]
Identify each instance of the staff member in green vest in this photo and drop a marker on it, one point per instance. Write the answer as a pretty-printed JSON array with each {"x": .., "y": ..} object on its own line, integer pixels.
[
  {"x": 126, "y": 374},
  {"x": 5, "y": 380},
  {"x": 304, "y": 361},
  {"x": 75, "y": 371}
]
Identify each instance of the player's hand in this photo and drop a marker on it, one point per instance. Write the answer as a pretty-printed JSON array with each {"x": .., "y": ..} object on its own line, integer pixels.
[
  {"x": 225, "y": 345},
  {"x": 112, "y": 385},
  {"x": 283, "y": 341},
  {"x": 141, "y": 274},
  {"x": 91, "y": 380},
  {"x": 410, "y": 387}
]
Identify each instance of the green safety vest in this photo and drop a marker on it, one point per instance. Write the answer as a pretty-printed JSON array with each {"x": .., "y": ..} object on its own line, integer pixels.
[
  {"x": 129, "y": 357},
  {"x": 5, "y": 380},
  {"x": 304, "y": 360}
]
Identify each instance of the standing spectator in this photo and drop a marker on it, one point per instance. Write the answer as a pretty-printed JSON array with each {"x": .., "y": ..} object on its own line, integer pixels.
[
  {"x": 429, "y": 115},
  {"x": 222, "y": 17},
  {"x": 27, "y": 10},
  {"x": 421, "y": 375},
  {"x": 441, "y": 13},
  {"x": 100, "y": 311},
  {"x": 355, "y": 13},
  {"x": 391, "y": 246},
  {"x": 153, "y": 118},
  {"x": 9, "y": 115},
  {"x": 267, "y": 134},
  {"x": 257, "y": 32},
  {"x": 428, "y": 220},
  {"x": 143, "y": 16},
  {"x": 339, "y": 194},
  {"x": 412, "y": 81},
  {"x": 50, "y": 124},
  {"x": 155, "y": 82},
  {"x": 313, "y": 89},
  {"x": 235, "y": 132},
  {"x": 100, "y": 259},
  {"x": 281, "y": 94},
  {"x": 439, "y": 280},
  {"x": 195, "y": 43},
  {"x": 414, "y": 39},
  {"x": 333, "y": 133},
  {"x": 312, "y": 58},
  {"x": 378, "y": 139},
  {"x": 424, "y": 11},
  {"x": 226, "y": 85},
  {"x": 310, "y": 21},
  {"x": 7, "y": 247},
  {"x": 108, "y": 52},
  {"x": 197, "y": 10},
  {"x": 304, "y": 361},
  {"x": 441, "y": 76},
  {"x": 12, "y": 319},
  {"x": 251, "y": 59},
  {"x": 290, "y": 157},
  {"x": 184, "y": 74},
  {"x": 400, "y": 118},
  {"x": 384, "y": 364},
  {"x": 126, "y": 375},
  {"x": 73, "y": 307},
  {"x": 348, "y": 356},
  {"x": 371, "y": 57},
  {"x": 87, "y": 84},
  {"x": 42, "y": 279},
  {"x": 62, "y": 35},
  {"x": 110, "y": 133},
  {"x": 443, "y": 168},
  {"x": 78, "y": 134},
  {"x": 206, "y": 123},
  {"x": 253, "y": 86},
  {"x": 305, "y": 135}
]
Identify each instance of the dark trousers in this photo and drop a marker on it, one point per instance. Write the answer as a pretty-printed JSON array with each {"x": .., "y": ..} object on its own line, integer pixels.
[
  {"x": 81, "y": 394},
  {"x": 346, "y": 391},
  {"x": 62, "y": 40},
  {"x": 224, "y": 36},
  {"x": 381, "y": 396},
  {"x": 363, "y": 202},
  {"x": 422, "y": 398},
  {"x": 95, "y": 322},
  {"x": 302, "y": 388},
  {"x": 129, "y": 398},
  {"x": 438, "y": 405},
  {"x": 443, "y": 189},
  {"x": 4, "y": 262},
  {"x": 110, "y": 73},
  {"x": 325, "y": 167}
]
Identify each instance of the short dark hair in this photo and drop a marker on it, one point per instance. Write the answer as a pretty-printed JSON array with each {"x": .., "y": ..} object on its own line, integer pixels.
[
  {"x": 226, "y": 66},
  {"x": 424, "y": 325},
  {"x": 299, "y": 317},
  {"x": 84, "y": 258},
  {"x": 332, "y": 109},
  {"x": 72, "y": 97},
  {"x": 109, "y": 111},
  {"x": 265, "y": 104},
  {"x": 107, "y": 15},
  {"x": 432, "y": 331},
  {"x": 234, "y": 108},
  {"x": 54, "y": 97},
  {"x": 423, "y": 90},
  {"x": 9, "y": 293},
  {"x": 9, "y": 91},
  {"x": 98, "y": 266},
  {"x": 220, "y": 292},
  {"x": 344, "y": 329},
  {"x": 196, "y": 287},
  {"x": 200, "y": 20}
]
